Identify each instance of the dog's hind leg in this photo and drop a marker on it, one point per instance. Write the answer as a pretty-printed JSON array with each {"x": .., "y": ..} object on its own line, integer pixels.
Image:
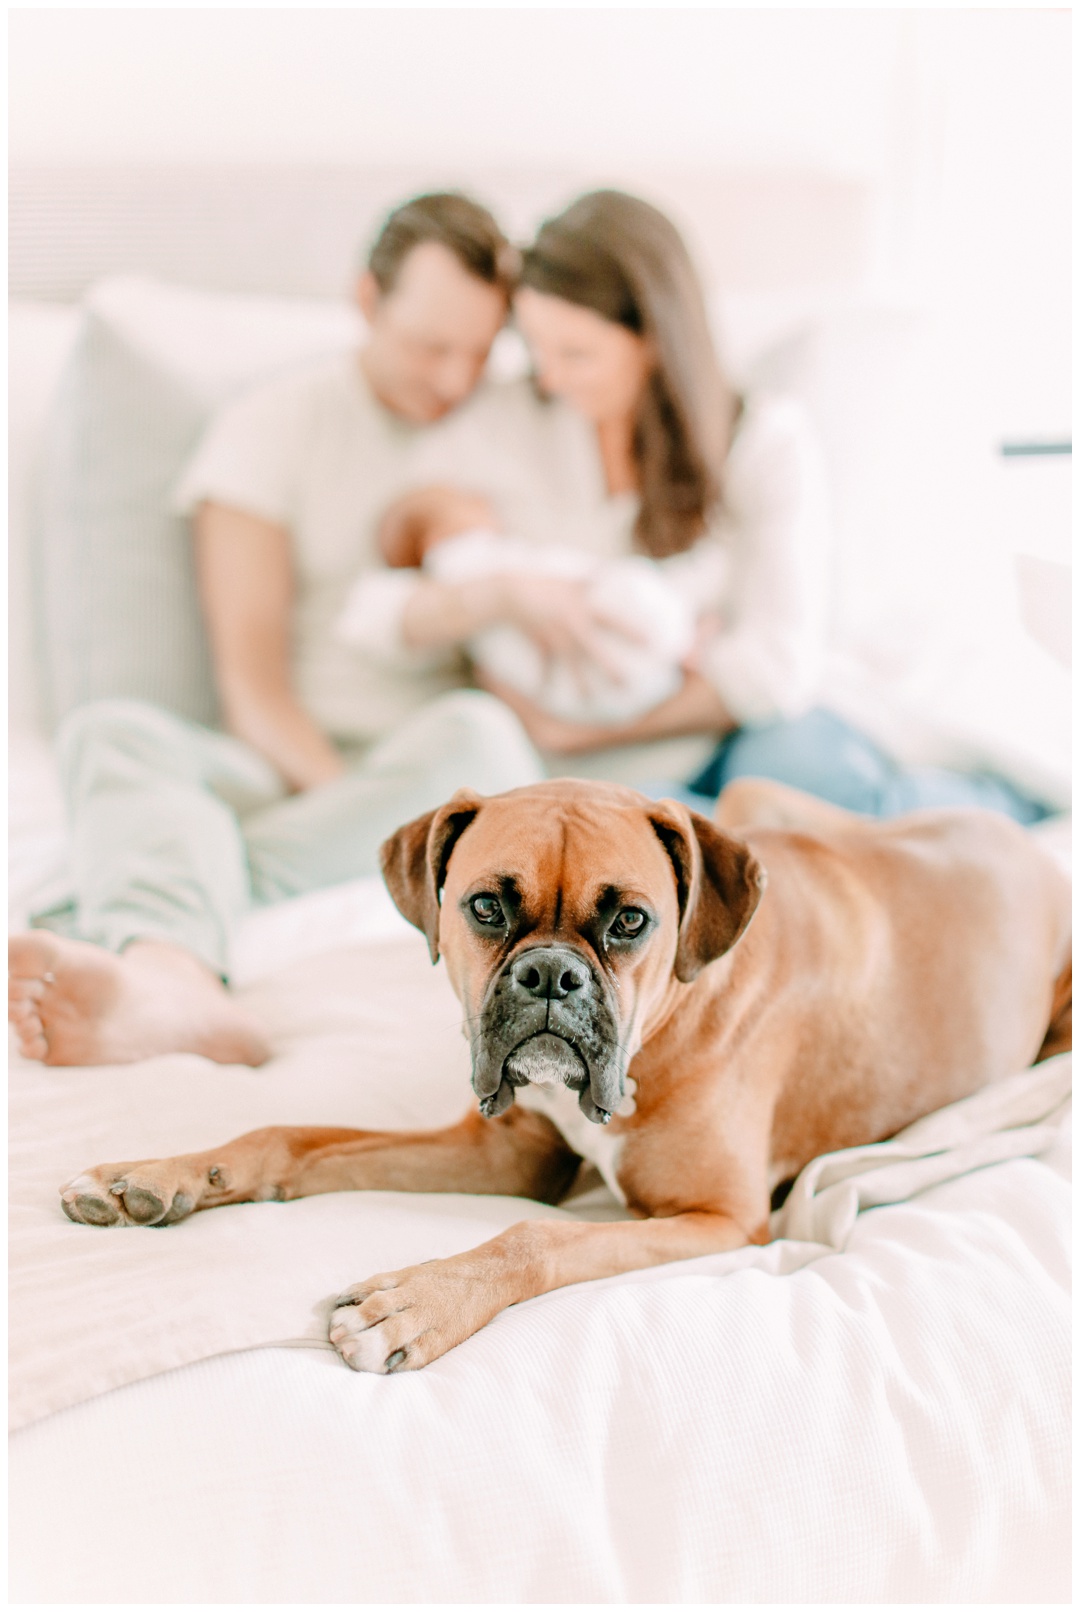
[{"x": 763, "y": 803}]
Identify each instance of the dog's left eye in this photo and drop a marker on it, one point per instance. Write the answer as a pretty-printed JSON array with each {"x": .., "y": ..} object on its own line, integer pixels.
[
  {"x": 630, "y": 923},
  {"x": 486, "y": 910}
]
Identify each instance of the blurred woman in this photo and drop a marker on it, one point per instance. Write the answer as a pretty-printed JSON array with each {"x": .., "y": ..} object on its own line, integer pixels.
[{"x": 646, "y": 449}]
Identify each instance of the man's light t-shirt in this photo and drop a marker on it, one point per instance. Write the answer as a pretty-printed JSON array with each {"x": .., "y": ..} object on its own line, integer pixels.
[{"x": 314, "y": 452}]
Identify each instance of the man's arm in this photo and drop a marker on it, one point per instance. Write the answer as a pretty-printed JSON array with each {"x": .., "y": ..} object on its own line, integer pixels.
[{"x": 245, "y": 577}]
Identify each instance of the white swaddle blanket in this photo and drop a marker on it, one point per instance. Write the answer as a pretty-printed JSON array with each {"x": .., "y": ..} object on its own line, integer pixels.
[{"x": 632, "y": 592}]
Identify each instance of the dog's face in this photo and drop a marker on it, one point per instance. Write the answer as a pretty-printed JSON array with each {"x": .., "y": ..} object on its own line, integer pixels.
[{"x": 566, "y": 910}]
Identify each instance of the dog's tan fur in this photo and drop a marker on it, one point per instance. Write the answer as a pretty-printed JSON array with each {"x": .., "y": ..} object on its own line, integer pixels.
[{"x": 888, "y": 969}]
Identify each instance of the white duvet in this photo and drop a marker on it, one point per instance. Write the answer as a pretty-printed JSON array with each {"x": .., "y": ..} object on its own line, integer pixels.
[
  {"x": 794, "y": 1424},
  {"x": 886, "y": 1424}
]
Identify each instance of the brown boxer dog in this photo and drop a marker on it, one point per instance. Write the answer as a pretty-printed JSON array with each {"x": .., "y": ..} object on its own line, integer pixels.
[{"x": 601, "y": 944}]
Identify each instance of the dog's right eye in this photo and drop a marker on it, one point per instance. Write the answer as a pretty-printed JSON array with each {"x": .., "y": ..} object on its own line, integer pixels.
[
  {"x": 630, "y": 923},
  {"x": 486, "y": 910}
]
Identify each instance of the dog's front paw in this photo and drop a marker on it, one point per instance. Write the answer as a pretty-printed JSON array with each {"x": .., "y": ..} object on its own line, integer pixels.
[
  {"x": 156, "y": 1192},
  {"x": 405, "y": 1319}
]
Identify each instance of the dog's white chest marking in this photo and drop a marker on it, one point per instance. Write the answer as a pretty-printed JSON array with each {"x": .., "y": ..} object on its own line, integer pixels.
[{"x": 592, "y": 1142}]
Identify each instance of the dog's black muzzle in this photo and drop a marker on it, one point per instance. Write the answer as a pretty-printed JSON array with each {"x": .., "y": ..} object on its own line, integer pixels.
[{"x": 548, "y": 1018}]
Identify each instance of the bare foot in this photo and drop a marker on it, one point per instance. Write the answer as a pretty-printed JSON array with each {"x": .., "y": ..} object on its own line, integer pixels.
[{"x": 73, "y": 1003}]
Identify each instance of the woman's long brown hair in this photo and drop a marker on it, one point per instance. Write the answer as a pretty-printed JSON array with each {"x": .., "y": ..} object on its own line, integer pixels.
[{"x": 622, "y": 258}]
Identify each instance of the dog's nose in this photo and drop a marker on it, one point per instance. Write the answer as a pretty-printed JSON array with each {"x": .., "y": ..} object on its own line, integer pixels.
[{"x": 549, "y": 972}]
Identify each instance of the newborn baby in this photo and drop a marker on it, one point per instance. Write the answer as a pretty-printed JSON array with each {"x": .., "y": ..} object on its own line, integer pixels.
[{"x": 453, "y": 537}]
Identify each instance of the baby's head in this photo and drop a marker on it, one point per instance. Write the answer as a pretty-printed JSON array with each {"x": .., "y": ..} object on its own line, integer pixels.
[{"x": 416, "y": 522}]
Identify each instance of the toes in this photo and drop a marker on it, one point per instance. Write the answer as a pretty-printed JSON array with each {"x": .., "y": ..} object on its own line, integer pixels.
[
  {"x": 113, "y": 1195},
  {"x": 369, "y": 1350},
  {"x": 360, "y": 1291},
  {"x": 24, "y": 1014},
  {"x": 30, "y": 1034},
  {"x": 148, "y": 1204},
  {"x": 144, "y": 1206},
  {"x": 373, "y": 1303},
  {"x": 375, "y": 1336},
  {"x": 89, "y": 1210},
  {"x": 356, "y": 1294},
  {"x": 89, "y": 1202},
  {"x": 24, "y": 990},
  {"x": 182, "y": 1205},
  {"x": 346, "y": 1323}
]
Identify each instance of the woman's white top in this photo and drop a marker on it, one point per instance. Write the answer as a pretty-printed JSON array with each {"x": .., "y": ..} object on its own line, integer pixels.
[
  {"x": 758, "y": 580},
  {"x": 764, "y": 570}
]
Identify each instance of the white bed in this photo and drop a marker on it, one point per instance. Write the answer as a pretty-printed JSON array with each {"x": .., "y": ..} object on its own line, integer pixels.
[{"x": 886, "y": 1422}]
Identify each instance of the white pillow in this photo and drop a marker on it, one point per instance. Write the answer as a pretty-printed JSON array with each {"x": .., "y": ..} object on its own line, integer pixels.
[
  {"x": 40, "y": 338},
  {"x": 114, "y": 574}
]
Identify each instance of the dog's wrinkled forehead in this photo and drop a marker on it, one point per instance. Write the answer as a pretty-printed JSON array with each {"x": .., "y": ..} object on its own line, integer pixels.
[{"x": 560, "y": 855}]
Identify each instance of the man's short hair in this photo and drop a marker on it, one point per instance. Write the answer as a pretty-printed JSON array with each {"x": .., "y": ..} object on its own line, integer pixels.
[{"x": 452, "y": 220}]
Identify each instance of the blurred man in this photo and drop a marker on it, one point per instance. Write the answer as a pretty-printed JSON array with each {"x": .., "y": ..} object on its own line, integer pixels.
[{"x": 176, "y": 829}]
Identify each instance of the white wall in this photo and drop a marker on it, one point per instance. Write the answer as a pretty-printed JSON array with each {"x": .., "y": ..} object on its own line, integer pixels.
[
  {"x": 959, "y": 119},
  {"x": 395, "y": 85},
  {"x": 982, "y": 183}
]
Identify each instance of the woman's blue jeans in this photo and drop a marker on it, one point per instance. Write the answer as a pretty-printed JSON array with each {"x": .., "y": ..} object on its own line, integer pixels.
[{"x": 823, "y": 755}]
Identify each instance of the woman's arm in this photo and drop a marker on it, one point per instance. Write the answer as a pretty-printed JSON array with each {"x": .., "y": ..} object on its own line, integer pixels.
[
  {"x": 695, "y": 707},
  {"x": 245, "y": 577}
]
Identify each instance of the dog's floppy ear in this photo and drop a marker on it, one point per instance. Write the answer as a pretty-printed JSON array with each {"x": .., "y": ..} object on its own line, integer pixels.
[
  {"x": 720, "y": 882},
  {"x": 414, "y": 862}
]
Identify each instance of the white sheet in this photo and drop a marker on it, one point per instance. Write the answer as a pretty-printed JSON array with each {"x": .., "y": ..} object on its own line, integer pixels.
[{"x": 887, "y": 1424}]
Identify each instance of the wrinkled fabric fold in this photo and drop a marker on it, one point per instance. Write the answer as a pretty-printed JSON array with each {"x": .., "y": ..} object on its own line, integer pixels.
[{"x": 1014, "y": 1118}]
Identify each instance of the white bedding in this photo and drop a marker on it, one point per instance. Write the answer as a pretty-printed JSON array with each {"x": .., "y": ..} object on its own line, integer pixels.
[{"x": 887, "y": 1423}]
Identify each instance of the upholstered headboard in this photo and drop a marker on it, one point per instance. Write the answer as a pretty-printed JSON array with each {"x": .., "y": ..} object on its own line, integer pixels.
[{"x": 297, "y": 231}]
